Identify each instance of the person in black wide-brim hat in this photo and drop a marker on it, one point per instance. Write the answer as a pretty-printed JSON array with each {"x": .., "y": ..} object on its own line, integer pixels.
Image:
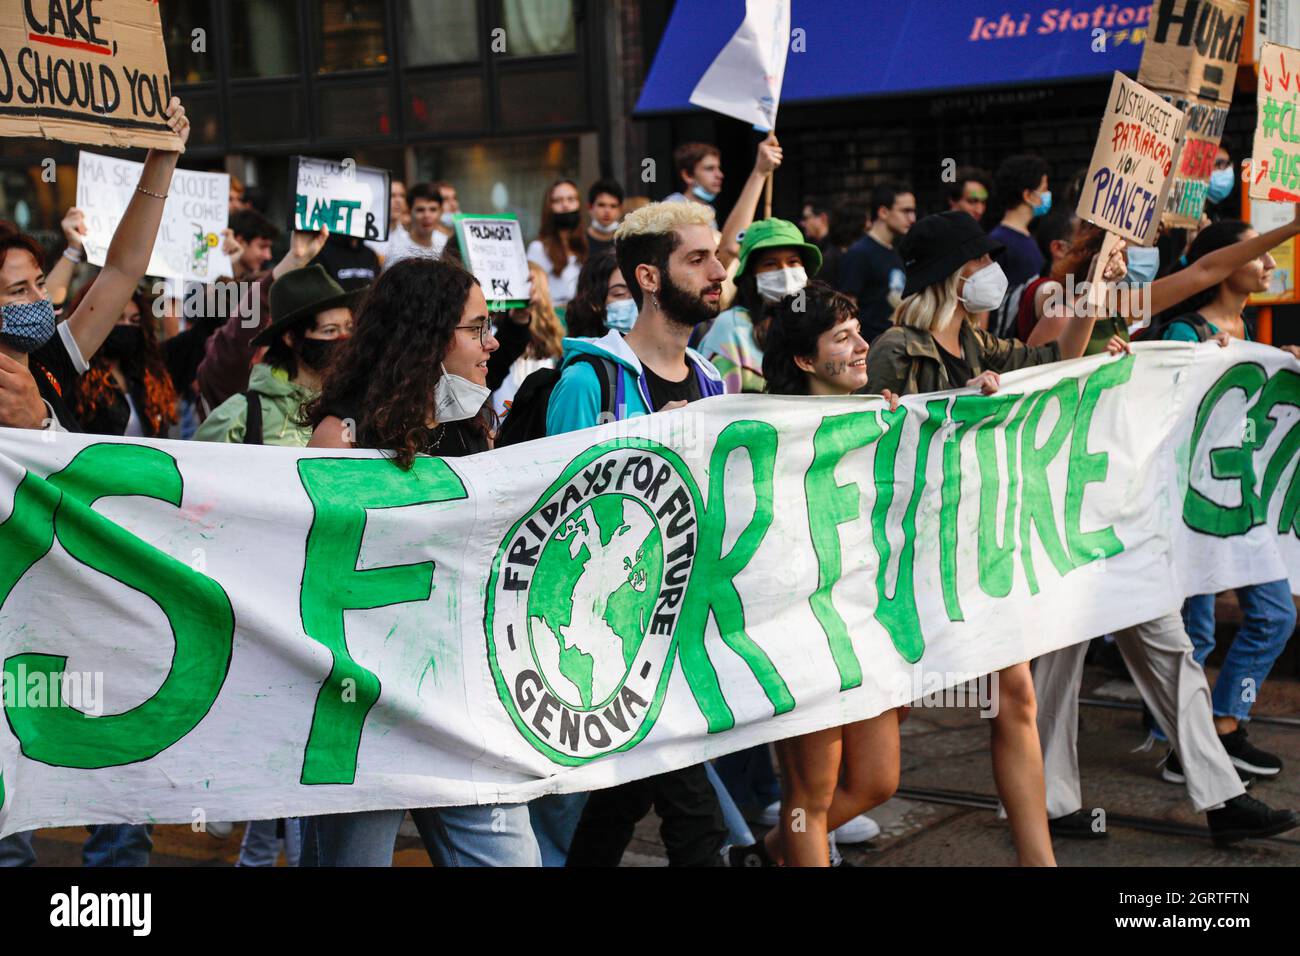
[{"x": 933, "y": 346}]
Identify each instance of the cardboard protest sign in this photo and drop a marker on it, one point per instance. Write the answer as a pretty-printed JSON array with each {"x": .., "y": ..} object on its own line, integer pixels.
[
  {"x": 1192, "y": 47},
  {"x": 1200, "y": 144},
  {"x": 351, "y": 200},
  {"x": 85, "y": 71},
  {"x": 492, "y": 247},
  {"x": 1275, "y": 160},
  {"x": 1129, "y": 176},
  {"x": 1190, "y": 58},
  {"x": 194, "y": 216}
]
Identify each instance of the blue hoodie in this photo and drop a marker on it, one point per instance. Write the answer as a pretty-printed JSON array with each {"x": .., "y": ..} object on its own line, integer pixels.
[{"x": 575, "y": 400}]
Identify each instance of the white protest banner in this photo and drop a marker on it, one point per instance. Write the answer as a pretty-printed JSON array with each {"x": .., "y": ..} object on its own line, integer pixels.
[
  {"x": 492, "y": 248},
  {"x": 1275, "y": 160},
  {"x": 1128, "y": 179},
  {"x": 195, "y": 214},
  {"x": 745, "y": 79},
  {"x": 260, "y": 632},
  {"x": 351, "y": 200},
  {"x": 85, "y": 71}
]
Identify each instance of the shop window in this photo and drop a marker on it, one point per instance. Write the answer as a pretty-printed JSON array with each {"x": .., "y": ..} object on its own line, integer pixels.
[
  {"x": 439, "y": 32},
  {"x": 264, "y": 38},
  {"x": 441, "y": 103},
  {"x": 538, "y": 27},
  {"x": 350, "y": 35}
]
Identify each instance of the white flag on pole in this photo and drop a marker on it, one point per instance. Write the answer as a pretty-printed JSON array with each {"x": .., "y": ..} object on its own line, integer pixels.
[{"x": 745, "y": 79}]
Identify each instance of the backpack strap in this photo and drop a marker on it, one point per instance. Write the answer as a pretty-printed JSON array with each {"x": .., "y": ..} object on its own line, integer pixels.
[
  {"x": 607, "y": 373},
  {"x": 253, "y": 422}
]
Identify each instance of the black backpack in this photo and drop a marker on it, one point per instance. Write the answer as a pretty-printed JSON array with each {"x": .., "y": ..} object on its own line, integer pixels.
[
  {"x": 1156, "y": 330},
  {"x": 526, "y": 419}
]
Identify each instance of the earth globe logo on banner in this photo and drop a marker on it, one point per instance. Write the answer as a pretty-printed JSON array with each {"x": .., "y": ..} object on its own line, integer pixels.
[{"x": 584, "y": 596}]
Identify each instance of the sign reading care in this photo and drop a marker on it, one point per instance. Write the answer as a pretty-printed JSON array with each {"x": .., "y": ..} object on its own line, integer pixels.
[
  {"x": 332, "y": 633},
  {"x": 85, "y": 71}
]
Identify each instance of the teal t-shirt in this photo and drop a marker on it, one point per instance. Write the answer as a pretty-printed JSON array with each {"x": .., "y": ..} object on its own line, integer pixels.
[{"x": 1184, "y": 332}]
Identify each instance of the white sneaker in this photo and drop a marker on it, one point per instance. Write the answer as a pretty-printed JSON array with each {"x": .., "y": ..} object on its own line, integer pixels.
[
  {"x": 219, "y": 829},
  {"x": 858, "y": 830}
]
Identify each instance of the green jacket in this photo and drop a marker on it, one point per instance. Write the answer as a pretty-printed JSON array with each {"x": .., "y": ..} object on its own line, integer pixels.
[
  {"x": 906, "y": 360},
  {"x": 281, "y": 400}
]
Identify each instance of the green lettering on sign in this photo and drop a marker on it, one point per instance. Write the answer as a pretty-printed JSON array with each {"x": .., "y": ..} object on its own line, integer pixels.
[
  {"x": 1086, "y": 468},
  {"x": 342, "y": 491},
  {"x": 196, "y": 608},
  {"x": 897, "y": 612},
  {"x": 1233, "y": 463},
  {"x": 830, "y": 505},
  {"x": 713, "y": 589},
  {"x": 1036, "y": 509}
]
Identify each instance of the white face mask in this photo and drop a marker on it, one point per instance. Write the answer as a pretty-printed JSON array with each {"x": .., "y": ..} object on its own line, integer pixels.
[
  {"x": 607, "y": 230},
  {"x": 456, "y": 398},
  {"x": 985, "y": 289},
  {"x": 776, "y": 285}
]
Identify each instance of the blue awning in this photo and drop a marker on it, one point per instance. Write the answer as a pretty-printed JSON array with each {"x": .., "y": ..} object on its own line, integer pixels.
[{"x": 859, "y": 48}]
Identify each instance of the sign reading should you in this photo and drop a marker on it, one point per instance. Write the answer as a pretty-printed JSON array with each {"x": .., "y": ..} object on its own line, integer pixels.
[
  {"x": 1190, "y": 59},
  {"x": 493, "y": 250},
  {"x": 1275, "y": 160},
  {"x": 85, "y": 71},
  {"x": 195, "y": 214},
  {"x": 1129, "y": 176},
  {"x": 351, "y": 200}
]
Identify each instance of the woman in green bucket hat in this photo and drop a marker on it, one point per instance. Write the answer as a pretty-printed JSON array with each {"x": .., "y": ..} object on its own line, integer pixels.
[{"x": 775, "y": 261}]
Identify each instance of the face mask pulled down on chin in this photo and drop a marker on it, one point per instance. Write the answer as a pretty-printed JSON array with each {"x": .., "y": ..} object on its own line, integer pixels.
[{"x": 456, "y": 398}]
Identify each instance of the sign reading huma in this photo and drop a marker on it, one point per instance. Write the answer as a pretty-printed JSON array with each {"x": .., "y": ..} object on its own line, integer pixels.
[{"x": 287, "y": 632}]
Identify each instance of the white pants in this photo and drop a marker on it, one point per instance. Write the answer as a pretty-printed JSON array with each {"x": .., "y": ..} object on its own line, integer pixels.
[{"x": 1159, "y": 657}]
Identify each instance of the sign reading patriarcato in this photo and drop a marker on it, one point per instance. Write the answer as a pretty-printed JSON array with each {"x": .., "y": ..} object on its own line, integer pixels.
[{"x": 330, "y": 632}]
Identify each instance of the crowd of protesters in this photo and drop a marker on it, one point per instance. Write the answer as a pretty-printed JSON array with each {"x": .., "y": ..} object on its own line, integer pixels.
[{"x": 638, "y": 307}]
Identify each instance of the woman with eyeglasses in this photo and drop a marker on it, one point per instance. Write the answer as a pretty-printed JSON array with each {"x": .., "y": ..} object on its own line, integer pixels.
[{"x": 412, "y": 381}]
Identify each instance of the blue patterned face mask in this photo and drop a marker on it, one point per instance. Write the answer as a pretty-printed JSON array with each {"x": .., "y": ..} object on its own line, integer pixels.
[
  {"x": 621, "y": 315},
  {"x": 26, "y": 326}
]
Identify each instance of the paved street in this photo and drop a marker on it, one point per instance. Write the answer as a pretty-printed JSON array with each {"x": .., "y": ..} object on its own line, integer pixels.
[{"x": 947, "y": 750}]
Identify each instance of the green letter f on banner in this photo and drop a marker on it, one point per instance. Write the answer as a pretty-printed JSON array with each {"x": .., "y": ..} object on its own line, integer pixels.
[{"x": 342, "y": 490}]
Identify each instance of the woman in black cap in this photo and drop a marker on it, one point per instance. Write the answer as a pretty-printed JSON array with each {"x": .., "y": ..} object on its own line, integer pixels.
[{"x": 933, "y": 346}]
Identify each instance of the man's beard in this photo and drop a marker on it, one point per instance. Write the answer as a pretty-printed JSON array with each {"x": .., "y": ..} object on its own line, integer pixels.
[{"x": 684, "y": 308}]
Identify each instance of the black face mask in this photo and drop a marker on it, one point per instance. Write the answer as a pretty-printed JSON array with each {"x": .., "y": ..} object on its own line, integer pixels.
[
  {"x": 124, "y": 342},
  {"x": 317, "y": 354},
  {"x": 682, "y": 307},
  {"x": 566, "y": 220}
]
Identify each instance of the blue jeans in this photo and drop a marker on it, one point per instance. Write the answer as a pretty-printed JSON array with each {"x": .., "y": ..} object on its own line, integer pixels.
[
  {"x": 1268, "y": 620},
  {"x": 454, "y": 836},
  {"x": 554, "y": 819},
  {"x": 261, "y": 846},
  {"x": 121, "y": 844}
]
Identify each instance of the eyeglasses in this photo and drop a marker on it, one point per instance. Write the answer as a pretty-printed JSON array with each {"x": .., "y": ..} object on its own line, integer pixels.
[{"x": 484, "y": 330}]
